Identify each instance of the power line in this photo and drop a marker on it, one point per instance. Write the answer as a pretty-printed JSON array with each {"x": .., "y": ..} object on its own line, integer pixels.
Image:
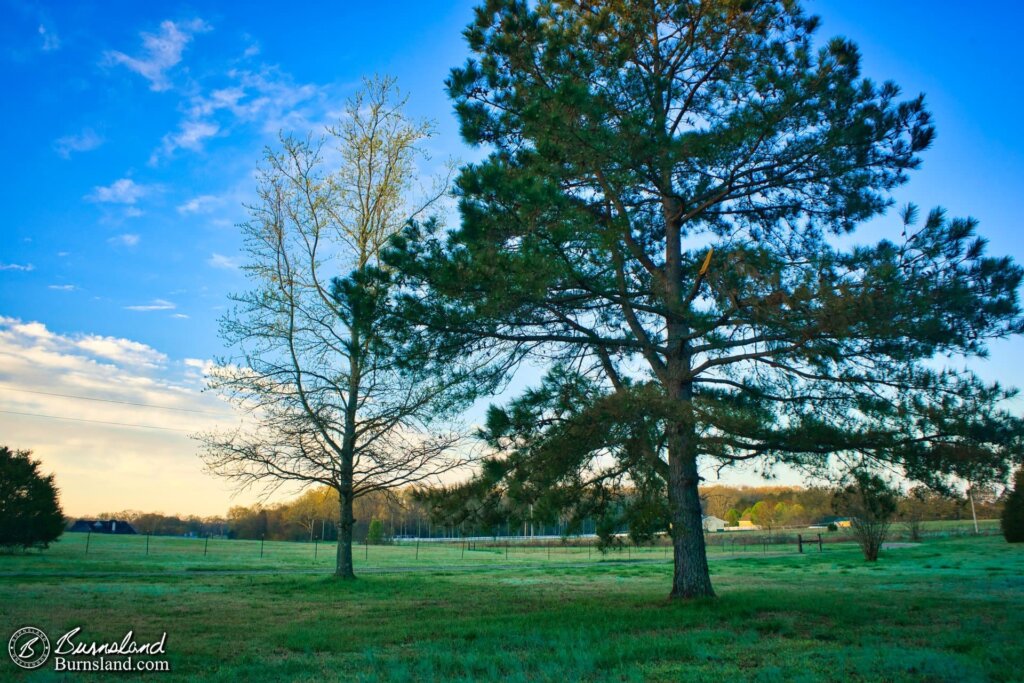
[
  {"x": 102, "y": 422},
  {"x": 108, "y": 400}
]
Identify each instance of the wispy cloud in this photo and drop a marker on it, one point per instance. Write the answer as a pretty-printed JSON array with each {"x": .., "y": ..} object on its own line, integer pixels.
[
  {"x": 190, "y": 135},
  {"x": 26, "y": 267},
  {"x": 200, "y": 204},
  {"x": 264, "y": 96},
  {"x": 154, "y": 305},
  {"x": 123, "y": 191},
  {"x": 85, "y": 141},
  {"x": 179, "y": 316},
  {"x": 126, "y": 240},
  {"x": 221, "y": 261},
  {"x": 62, "y": 288},
  {"x": 49, "y": 37},
  {"x": 162, "y": 51}
]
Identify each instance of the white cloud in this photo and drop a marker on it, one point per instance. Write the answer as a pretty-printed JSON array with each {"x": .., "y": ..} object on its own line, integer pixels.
[
  {"x": 50, "y": 39},
  {"x": 162, "y": 51},
  {"x": 221, "y": 261},
  {"x": 85, "y": 141},
  {"x": 154, "y": 305},
  {"x": 190, "y": 135},
  {"x": 26, "y": 267},
  {"x": 62, "y": 288},
  {"x": 123, "y": 191},
  {"x": 100, "y": 466},
  {"x": 125, "y": 240},
  {"x": 267, "y": 97},
  {"x": 200, "y": 204},
  {"x": 179, "y": 316},
  {"x": 122, "y": 351}
]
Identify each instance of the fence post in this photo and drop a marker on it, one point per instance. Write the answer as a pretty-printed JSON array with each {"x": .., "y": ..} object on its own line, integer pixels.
[
  {"x": 366, "y": 548},
  {"x": 206, "y": 546},
  {"x": 87, "y": 537},
  {"x": 417, "y": 548},
  {"x": 506, "y": 548},
  {"x": 147, "y": 543},
  {"x": 800, "y": 542},
  {"x": 819, "y": 543},
  {"x": 262, "y": 536},
  {"x": 316, "y": 548}
]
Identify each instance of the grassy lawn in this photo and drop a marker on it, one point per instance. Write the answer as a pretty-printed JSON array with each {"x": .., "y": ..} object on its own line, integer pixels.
[{"x": 947, "y": 610}]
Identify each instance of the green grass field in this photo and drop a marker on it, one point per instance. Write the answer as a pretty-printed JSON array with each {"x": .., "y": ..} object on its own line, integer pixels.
[{"x": 950, "y": 609}]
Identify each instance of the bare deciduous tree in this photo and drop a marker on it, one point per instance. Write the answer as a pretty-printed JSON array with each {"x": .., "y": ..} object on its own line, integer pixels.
[
  {"x": 327, "y": 399},
  {"x": 871, "y": 505}
]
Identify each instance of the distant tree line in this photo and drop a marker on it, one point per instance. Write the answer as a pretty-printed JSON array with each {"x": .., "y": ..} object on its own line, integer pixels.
[
  {"x": 313, "y": 515},
  {"x": 777, "y": 506}
]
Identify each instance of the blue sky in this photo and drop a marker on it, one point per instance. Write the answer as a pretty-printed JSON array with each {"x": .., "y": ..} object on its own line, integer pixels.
[{"x": 130, "y": 132}]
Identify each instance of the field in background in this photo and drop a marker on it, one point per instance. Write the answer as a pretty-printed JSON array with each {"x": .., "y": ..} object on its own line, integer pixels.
[
  {"x": 77, "y": 552},
  {"x": 951, "y": 609}
]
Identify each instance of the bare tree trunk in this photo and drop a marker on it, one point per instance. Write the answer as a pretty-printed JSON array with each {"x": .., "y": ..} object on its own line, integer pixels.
[
  {"x": 690, "y": 577},
  {"x": 344, "y": 567}
]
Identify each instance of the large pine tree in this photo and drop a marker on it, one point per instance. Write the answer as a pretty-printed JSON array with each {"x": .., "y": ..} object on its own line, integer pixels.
[{"x": 665, "y": 211}]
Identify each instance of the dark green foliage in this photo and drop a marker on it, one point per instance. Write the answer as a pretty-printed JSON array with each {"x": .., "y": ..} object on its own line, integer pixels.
[
  {"x": 1013, "y": 511},
  {"x": 30, "y": 515},
  {"x": 657, "y": 214}
]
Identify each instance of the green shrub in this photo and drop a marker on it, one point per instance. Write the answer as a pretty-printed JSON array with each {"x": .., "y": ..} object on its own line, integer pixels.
[
  {"x": 375, "y": 534},
  {"x": 1013, "y": 511}
]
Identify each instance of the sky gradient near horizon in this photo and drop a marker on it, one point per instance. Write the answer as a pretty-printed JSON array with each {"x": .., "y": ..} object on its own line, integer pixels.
[{"x": 131, "y": 141}]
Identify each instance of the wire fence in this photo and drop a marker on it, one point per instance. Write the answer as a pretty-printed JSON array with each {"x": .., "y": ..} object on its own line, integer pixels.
[{"x": 105, "y": 551}]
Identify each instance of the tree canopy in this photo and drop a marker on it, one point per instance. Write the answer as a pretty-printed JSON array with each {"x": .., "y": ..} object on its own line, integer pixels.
[{"x": 30, "y": 514}]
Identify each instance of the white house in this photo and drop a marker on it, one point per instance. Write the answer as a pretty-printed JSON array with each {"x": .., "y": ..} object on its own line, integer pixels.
[{"x": 712, "y": 523}]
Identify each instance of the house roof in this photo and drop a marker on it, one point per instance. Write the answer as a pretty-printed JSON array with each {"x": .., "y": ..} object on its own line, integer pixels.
[{"x": 103, "y": 526}]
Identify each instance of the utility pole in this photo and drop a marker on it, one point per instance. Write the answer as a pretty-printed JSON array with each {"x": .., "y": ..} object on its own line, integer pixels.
[{"x": 974, "y": 515}]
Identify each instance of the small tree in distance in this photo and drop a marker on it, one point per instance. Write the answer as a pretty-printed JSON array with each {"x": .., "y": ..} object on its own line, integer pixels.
[
  {"x": 912, "y": 511},
  {"x": 1013, "y": 511},
  {"x": 871, "y": 505},
  {"x": 375, "y": 535},
  {"x": 30, "y": 515}
]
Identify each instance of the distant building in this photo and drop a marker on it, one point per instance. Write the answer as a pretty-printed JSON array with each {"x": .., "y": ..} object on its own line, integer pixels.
[
  {"x": 825, "y": 522},
  {"x": 712, "y": 523},
  {"x": 103, "y": 526}
]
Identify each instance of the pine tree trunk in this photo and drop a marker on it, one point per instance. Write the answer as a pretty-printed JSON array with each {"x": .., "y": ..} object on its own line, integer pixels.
[
  {"x": 690, "y": 576},
  {"x": 344, "y": 567}
]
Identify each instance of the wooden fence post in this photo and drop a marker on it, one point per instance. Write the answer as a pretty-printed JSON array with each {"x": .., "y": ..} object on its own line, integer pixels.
[{"x": 800, "y": 542}]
